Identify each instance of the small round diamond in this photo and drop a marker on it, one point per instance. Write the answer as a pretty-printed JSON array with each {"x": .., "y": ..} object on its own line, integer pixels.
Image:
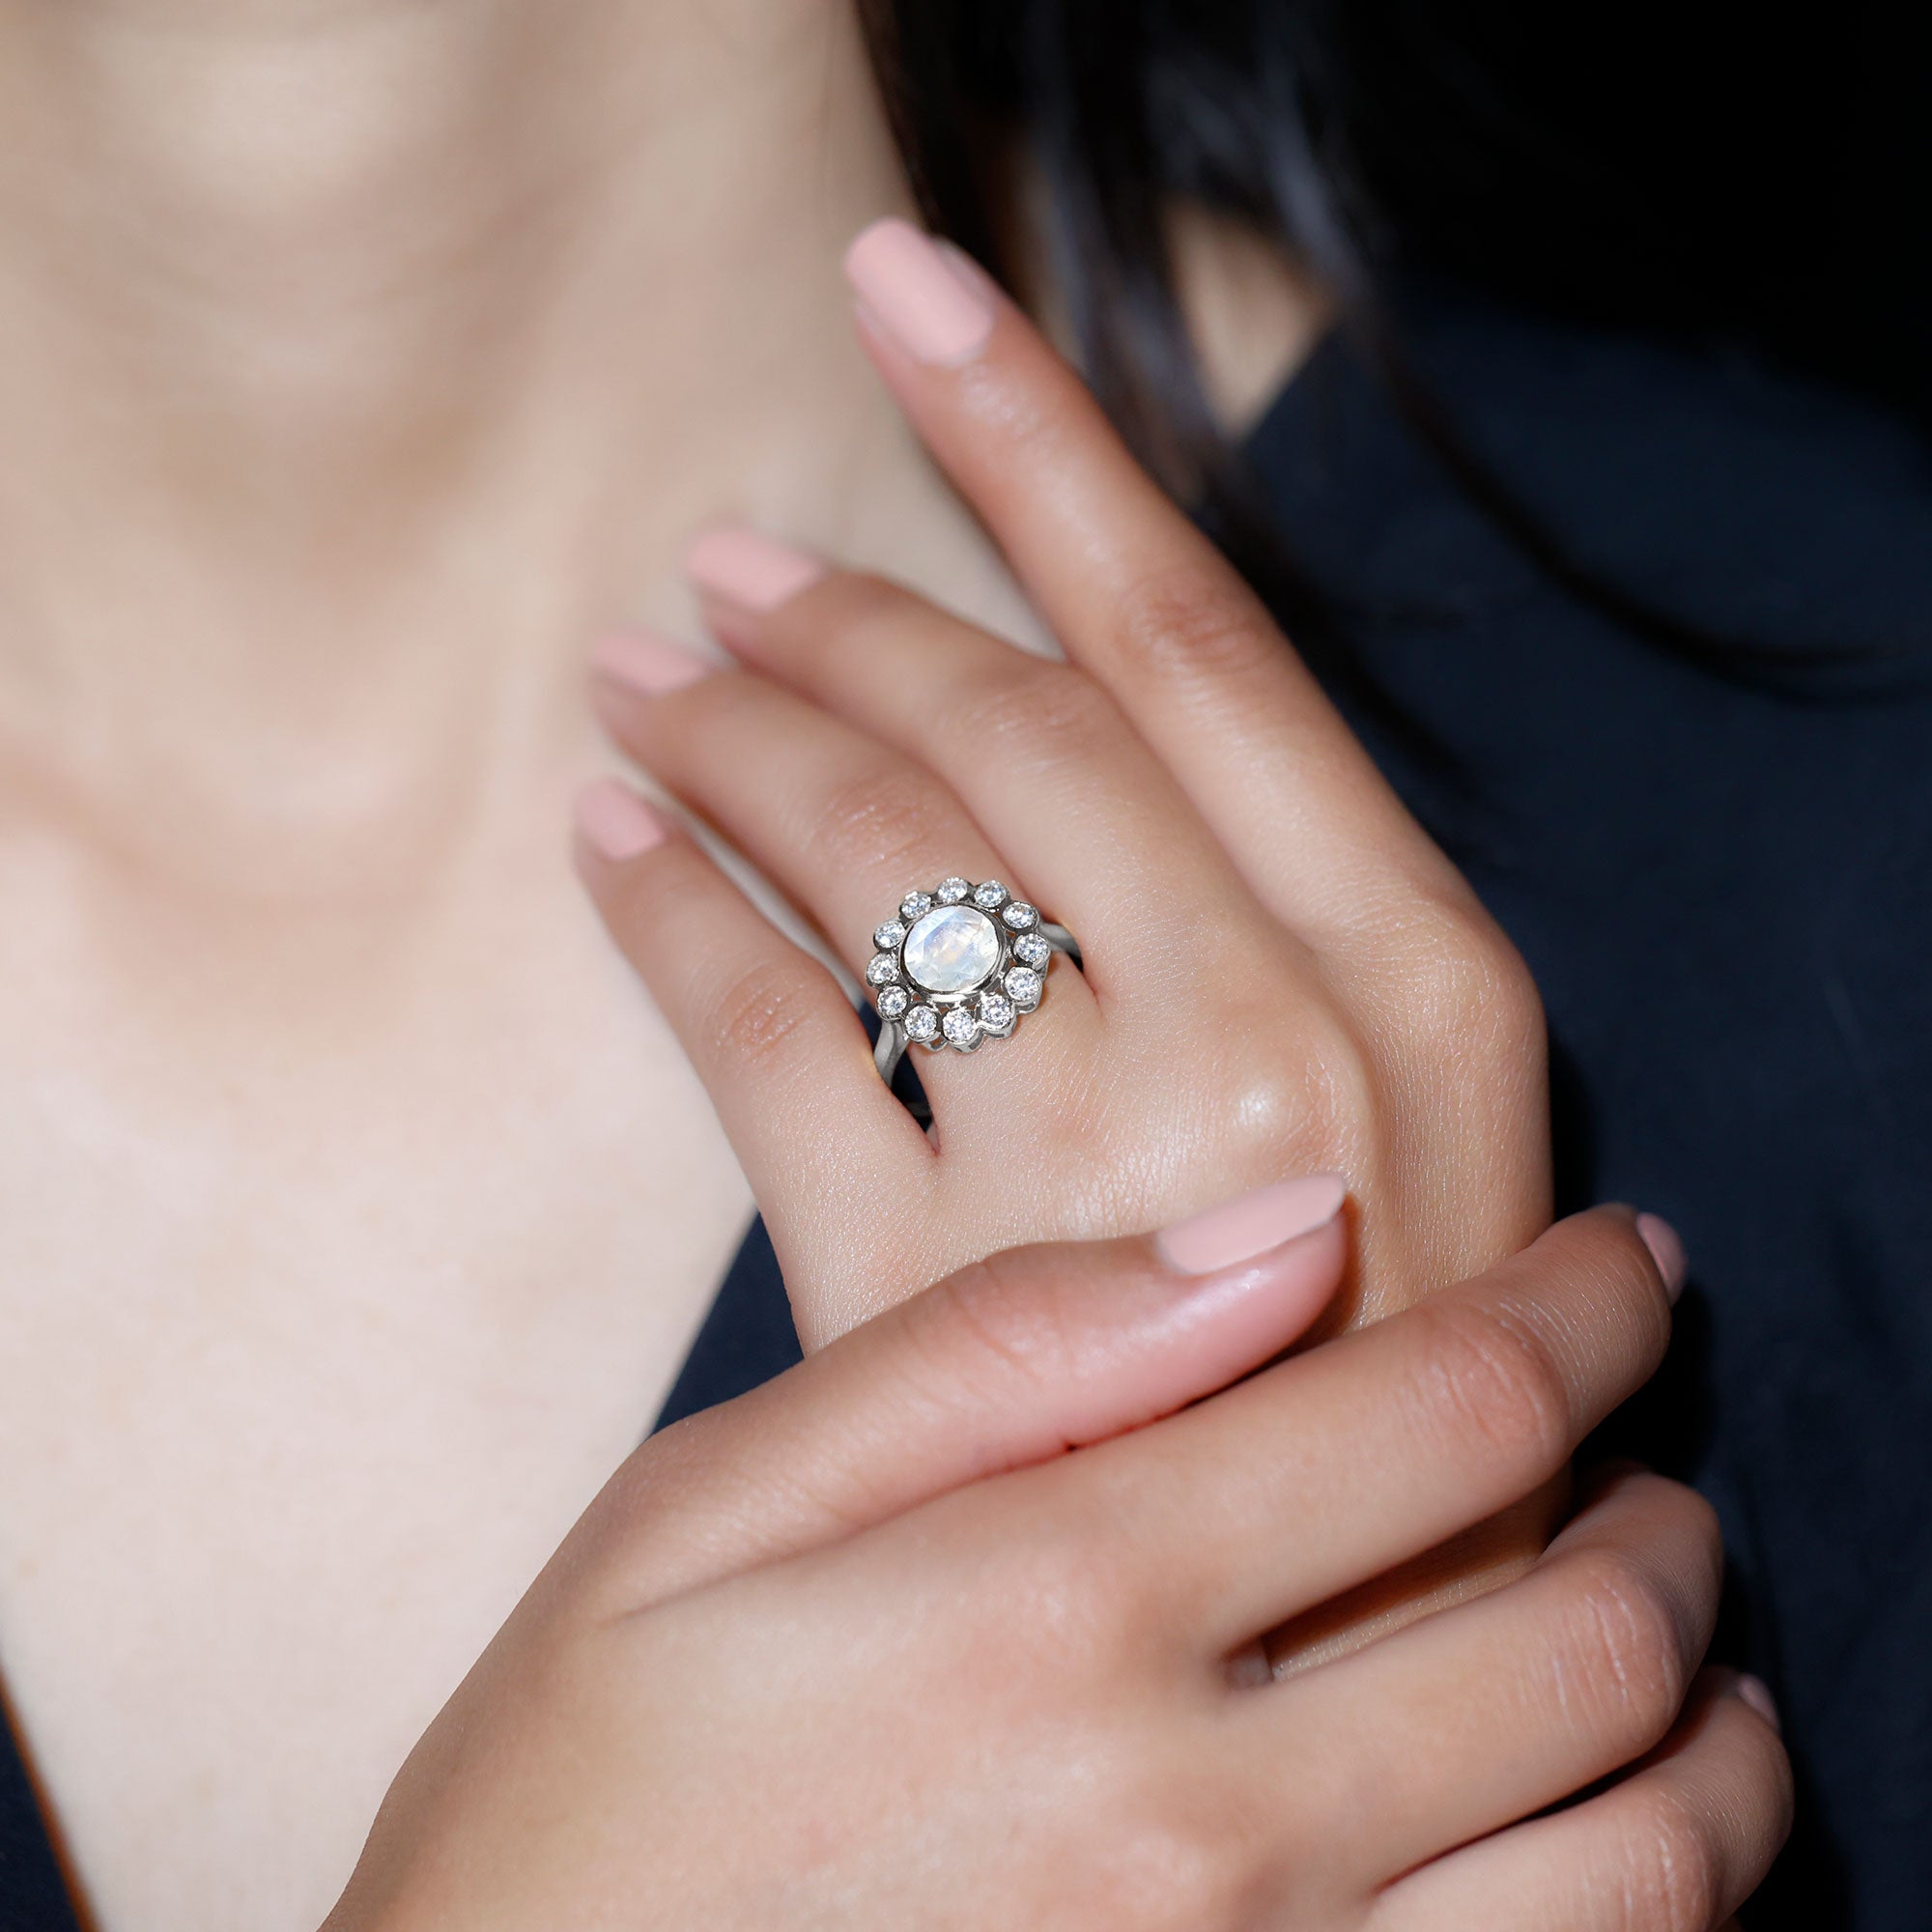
[
  {"x": 922, "y": 1023},
  {"x": 1023, "y": 989},
  {"x": 913, "y": 904},
  {"x": 882, "y": 968},
  {"x": 1031, "y": 949},
  {"x": 1020, "y": 916},
  {"x": 997, "y": 1012},
  {"x": 991, "y": 897},
  {"x": 962, "y": 1030},
  {"x": 888, "y": 936},
  {"x": 952, "y": 890},
  {"x": 892, "y": 1002}
]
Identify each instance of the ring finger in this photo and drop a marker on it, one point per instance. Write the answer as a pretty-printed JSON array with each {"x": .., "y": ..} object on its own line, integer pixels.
[{"x": 841, "y": 824}]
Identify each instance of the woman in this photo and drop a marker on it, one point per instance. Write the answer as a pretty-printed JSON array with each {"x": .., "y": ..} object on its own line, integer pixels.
[{"x": 300, "y": 361}]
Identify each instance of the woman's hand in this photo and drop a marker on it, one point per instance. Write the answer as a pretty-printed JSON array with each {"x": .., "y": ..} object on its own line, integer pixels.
[
  {"x": 865, "y": 1649},
  {"x": 1282, "y": 974}
]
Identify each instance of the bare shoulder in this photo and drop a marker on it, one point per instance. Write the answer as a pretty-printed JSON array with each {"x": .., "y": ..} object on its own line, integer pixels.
[{"x": 1253, "y": 312}]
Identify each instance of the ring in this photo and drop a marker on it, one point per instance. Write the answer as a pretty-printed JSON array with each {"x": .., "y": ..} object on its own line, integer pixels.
[{"x": 957, "y": 966}]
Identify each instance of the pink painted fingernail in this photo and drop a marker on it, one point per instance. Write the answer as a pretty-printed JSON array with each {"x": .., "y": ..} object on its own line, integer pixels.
[
  {"x": 1756, "y": 1693},
  {"x": 1666, "y": 1250},
  {"x": 911, "y": 290},
  {"x": 614, "y": 822},
  {"x": 1239, "y": 1230},
  {"x": 746, "y": 569},
  {"x": 649, "y": 662}
]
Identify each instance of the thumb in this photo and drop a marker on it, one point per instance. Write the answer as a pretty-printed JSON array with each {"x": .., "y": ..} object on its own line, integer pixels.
[{"x": 1012, "y": 1360}]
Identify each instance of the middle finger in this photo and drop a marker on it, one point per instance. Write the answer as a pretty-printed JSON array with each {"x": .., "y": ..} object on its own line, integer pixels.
[{"x": 1041, "y": 756}]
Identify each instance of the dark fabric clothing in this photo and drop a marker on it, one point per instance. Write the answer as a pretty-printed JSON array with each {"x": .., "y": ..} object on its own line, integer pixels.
[
  {"x": 1722, "y": 876},
  {"x": 747, "y": 1338},
  {"x": 33, "y": 1894}
]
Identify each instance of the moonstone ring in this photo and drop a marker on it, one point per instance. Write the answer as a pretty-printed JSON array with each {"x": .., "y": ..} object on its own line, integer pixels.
[{"x": 957, "y": 966}]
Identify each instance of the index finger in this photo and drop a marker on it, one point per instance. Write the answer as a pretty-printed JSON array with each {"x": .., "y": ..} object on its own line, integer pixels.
[
  {"x": 1361, "y": 1454},
  {"x": 1135, "y": 593}
]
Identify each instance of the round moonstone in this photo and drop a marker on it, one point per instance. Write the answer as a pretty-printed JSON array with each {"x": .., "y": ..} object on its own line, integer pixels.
[{"x": 951, "y": 950}]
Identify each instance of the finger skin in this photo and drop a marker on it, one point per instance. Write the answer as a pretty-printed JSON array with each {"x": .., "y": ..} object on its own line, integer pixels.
[
  {"x": 1139, "y": 598},
  {"x": 1008, "y": 1362},
  {"x": 1037, "y": 753},
  {"x": 770, "y": 1034},
  {"x": 1480, "y": 1715},
  {"x": 1351, "y": 1459},
  {"x": 844, "y": 825},
  {"x": 1674, "y": 1847}
]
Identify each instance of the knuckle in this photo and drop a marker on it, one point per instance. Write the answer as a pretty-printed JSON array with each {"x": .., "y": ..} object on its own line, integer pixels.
[
  {"x": 1037, "y": 713},
  {"x": 1493, "y": 1381},
  {"x": 1002, "y": 1321},
  {"x": 1190, "y": 622},
  {"x": 1267, "y": 1110},
  {"x": 1625, "y": 1648},
  {"x": 754, "y": 1015},
  {"x": 1288, "y": 1082},
  {"x": 886, "y": 817},
  {"x": 1464, "y": 985},
  {"x": 1174, "y": 1870},
  {"x": 1066, "y": 1591},
  {"x": 1672, "y": 1873},
  {"x": 1287, "y": 1114}
]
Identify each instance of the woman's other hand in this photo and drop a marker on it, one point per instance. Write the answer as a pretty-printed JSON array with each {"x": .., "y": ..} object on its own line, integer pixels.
[{"x": 867, "y": 1648}]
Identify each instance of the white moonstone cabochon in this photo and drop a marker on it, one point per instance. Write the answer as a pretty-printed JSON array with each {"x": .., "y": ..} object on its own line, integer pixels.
[{"x": 951, "y": 950}]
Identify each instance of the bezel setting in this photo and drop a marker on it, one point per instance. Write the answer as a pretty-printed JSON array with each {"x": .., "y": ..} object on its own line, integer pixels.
[{"x": 1000, "y": 972}]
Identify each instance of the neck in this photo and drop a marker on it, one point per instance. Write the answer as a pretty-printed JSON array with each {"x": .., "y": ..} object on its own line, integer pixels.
[{"x": 359, "y": 358}]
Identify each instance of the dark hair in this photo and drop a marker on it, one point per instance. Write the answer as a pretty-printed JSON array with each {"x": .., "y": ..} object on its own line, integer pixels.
[{"x": 1674, "y": 171}]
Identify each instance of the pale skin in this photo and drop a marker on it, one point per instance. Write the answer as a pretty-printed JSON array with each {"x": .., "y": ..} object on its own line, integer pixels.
[{"x": 358, "y": 364}]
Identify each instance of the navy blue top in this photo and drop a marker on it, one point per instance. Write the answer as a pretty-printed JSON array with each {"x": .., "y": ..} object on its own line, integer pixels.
[{"x": 1723, "y": 880}]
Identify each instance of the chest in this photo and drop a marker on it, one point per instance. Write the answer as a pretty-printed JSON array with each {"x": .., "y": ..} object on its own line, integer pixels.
[{"x": 335, "y": 1276}]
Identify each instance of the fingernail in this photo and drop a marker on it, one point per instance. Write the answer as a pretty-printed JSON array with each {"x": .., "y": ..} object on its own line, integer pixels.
[
  {"x": 1239, "y": 1230},
  {"x": 1756, "y": 1693},
  {"x": 1666, "y": 1250},
  {"x": 614, "y": 822},
  {"x": 916, "y": 296},
  {"x": 744, "y": 568},
  {"x": 646, "y": 662}
]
